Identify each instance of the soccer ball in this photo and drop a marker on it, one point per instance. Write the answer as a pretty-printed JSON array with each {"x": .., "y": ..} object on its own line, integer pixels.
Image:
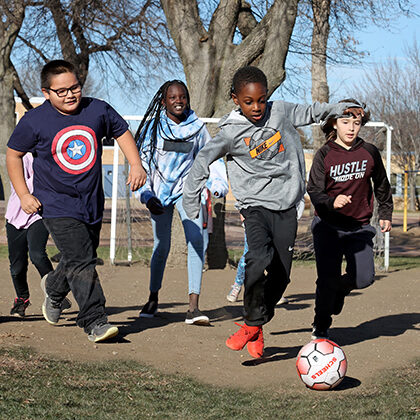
[{"x": 321, "y": 364}]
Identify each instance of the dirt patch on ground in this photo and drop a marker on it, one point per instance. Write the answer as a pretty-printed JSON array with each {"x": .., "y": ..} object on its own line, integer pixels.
[{"x": 378, "y": 328}]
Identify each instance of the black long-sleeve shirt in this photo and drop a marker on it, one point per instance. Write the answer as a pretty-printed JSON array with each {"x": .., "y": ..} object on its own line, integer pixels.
[{"x": 336, "y": 170}]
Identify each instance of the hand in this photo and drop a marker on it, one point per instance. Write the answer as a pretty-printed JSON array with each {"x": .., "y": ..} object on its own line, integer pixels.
[
  {"x": 341, "y": 201},
  {"x": 355, "y": 112},
  {"x": 155, "y": 206},
  {"x": 30, "y": 204},
  {"x": 137, "y": 177},
  {"x": 385, "y": 225}
]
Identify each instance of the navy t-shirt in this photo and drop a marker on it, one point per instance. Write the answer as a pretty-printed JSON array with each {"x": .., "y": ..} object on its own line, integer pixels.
[{"x": 67, "y": 153}]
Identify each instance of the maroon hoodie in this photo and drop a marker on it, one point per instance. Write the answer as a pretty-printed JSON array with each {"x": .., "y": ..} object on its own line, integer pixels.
[{"x": 336, "y": 170}]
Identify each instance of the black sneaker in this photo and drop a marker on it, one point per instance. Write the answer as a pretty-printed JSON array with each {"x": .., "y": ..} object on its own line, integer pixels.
[
  {"x": 149, "y": 309},
  {"x": 102, "y": 331},
  {"x": 196, "y": 318},
  {"x": 19, "y": 307},
  {"x": 318, "y": 333}
]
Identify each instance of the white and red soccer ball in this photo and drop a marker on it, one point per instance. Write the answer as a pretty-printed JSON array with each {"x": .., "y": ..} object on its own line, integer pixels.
[{"x": 321, "y": 364}]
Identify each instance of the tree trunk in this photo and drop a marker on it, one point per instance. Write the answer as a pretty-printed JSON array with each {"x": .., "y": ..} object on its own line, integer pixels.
[
  {"x": 320, "y": 33},
  {"x": 210, "y": 58},
  {"x": 12, "y": 17}
]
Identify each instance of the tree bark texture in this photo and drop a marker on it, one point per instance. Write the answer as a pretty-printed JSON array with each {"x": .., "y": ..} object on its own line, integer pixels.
[
  {"x": 210, "y": 57},
  {"x": 320, "y": 33},
  {"x": 10, "y": 24}
]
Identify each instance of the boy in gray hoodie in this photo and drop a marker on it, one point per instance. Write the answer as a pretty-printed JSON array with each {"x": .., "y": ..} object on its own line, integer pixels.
[{"x": 266, "y": 168}]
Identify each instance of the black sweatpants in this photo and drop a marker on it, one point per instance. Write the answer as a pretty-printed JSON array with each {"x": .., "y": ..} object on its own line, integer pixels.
[
  {"x": 32, "y": 240},
  {"x": 271, "y": 236},
  {"x": 76, "y": 271},
  {"x": 331, "y": 245}
]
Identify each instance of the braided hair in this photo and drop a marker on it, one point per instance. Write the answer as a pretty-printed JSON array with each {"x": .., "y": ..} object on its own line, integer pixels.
[{"x": 151, "y": 119}]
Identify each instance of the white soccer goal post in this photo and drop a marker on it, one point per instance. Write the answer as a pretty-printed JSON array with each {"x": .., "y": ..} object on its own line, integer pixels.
[{"x": 126, "y": 200}]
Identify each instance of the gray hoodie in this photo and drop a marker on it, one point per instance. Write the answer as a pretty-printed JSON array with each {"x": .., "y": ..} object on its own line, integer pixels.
[{"x": 265, "y": 161}]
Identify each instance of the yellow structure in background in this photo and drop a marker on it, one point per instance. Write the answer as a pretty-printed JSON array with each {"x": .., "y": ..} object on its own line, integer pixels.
[{"x": 405, "y": 198}]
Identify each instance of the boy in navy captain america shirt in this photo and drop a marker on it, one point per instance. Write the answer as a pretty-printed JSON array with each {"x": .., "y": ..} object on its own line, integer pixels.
[{"x": 64, "y": 134}]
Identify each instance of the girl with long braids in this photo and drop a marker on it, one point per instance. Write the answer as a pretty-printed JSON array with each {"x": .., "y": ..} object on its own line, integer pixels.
[{"x": 169, "y": 138}]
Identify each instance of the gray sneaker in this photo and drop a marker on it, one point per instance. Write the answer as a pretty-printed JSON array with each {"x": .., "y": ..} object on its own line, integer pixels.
[
  {"x": 51, "y": 310},
  {"x": 65, "y": 304},
  {"x": 102, "y": 331}
]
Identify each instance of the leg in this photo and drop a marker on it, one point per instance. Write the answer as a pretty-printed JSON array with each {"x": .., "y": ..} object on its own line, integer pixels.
[
  {"x": 284, "y": 228},
  {"x": 77, "y": 242},
  {"x": 259, "y": 256},
  {"x": 358, "y": 251},
  {"x": 329, "y": 256},
  {"x": 240, "y": 272},
  {"x": 240, "y": 276},
  {"x": 37, "y": 241},
  {"x": 161, "y": 225},
  {"x": 193, "y": 230},
  {"x": 18, "y": 257}
]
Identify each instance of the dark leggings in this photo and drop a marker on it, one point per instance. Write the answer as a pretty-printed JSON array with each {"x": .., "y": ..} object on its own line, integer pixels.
[
  {"x": 32, "y": 240},
  {"x": 331, "y": 245}
]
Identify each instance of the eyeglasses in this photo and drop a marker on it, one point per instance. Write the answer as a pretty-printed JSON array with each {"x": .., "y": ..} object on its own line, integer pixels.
[{"x": 61, "y": 93}]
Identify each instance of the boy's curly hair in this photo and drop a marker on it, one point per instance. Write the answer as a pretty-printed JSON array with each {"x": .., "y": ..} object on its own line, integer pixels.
[
  {"x": 328, "y": 126},
  {"x": 245, "y": 75}
]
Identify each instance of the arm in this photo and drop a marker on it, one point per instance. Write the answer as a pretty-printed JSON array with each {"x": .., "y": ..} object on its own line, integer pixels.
[
  {"x": 200, "y": 172},
  {"x": 382, "y": 190},
  {"x": 316, "y": 185},
  {"x": 301, "y": 115},
  {"x": 28, "y": 202},
  {"x": 217, "y": 182},
  {"x": 137, "y": 176}
]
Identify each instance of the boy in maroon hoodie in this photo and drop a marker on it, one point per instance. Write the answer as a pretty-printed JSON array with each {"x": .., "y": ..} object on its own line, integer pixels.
[{"x": 340, "y": 188}]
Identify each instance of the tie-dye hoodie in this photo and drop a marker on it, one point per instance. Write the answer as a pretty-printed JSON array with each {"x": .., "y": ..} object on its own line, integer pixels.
[{"x": 176, "y": 148}]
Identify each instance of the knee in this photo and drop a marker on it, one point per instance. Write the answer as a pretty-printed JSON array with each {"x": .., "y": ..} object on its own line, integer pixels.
[
  {"x": 37, "y": 257},
  {"x": 18, "y": 267},
  {"x": 364, "y": 279}
]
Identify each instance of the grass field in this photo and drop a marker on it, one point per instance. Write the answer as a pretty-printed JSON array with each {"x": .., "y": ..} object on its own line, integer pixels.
[
  {"x": 34, "y": 387},
  {"x": 395, "y": 263}
]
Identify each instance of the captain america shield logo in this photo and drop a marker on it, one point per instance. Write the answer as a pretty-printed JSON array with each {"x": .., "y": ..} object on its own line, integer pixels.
[{"x": 74, "y": 149}]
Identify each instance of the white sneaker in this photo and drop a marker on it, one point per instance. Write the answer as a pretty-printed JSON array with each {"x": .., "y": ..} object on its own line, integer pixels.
[
  {"x": 234, "y": 293},
  {"x": 283, "y": 301}
]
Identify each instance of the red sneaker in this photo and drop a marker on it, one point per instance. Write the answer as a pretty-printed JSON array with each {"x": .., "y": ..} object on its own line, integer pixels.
[
  {"x": 256, "y": 347},
  {"x": 246, "y": 333}
]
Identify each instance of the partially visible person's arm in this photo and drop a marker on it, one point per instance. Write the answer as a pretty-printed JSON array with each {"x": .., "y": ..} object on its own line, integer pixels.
[
  {"x": 200, "y": 172},
  {"x": 28, "y": 202},
  {"x": 137, "y": 175}
]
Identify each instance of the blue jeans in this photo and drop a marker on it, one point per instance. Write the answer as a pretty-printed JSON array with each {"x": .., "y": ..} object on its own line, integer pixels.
[
  {"x": 76, "y": 271},
  {"x": 240, "y": 271},
  {"x": 193, "y": 230}
]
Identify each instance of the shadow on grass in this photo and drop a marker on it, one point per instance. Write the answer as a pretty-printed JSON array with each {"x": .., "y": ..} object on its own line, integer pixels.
[
  {"x": 274, "y": 354},
  {"x": 388, "y": 326},
  {"x": 347, "y": 383}
]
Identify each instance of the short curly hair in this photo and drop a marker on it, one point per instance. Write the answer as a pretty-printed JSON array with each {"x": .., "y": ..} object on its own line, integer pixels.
[{"x": 246, "y": 75}]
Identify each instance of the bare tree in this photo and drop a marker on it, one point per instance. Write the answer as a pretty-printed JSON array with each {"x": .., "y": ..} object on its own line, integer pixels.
[
  {"x": 234, "y": 37},
  {"x": 392, "y": 91},
  {"x": 118, "y": 36},
  {"x": 12, "y": 15}
]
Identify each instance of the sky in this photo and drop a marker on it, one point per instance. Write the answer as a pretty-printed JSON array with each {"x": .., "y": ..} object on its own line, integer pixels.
[{"x": 380, "y": 43}]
